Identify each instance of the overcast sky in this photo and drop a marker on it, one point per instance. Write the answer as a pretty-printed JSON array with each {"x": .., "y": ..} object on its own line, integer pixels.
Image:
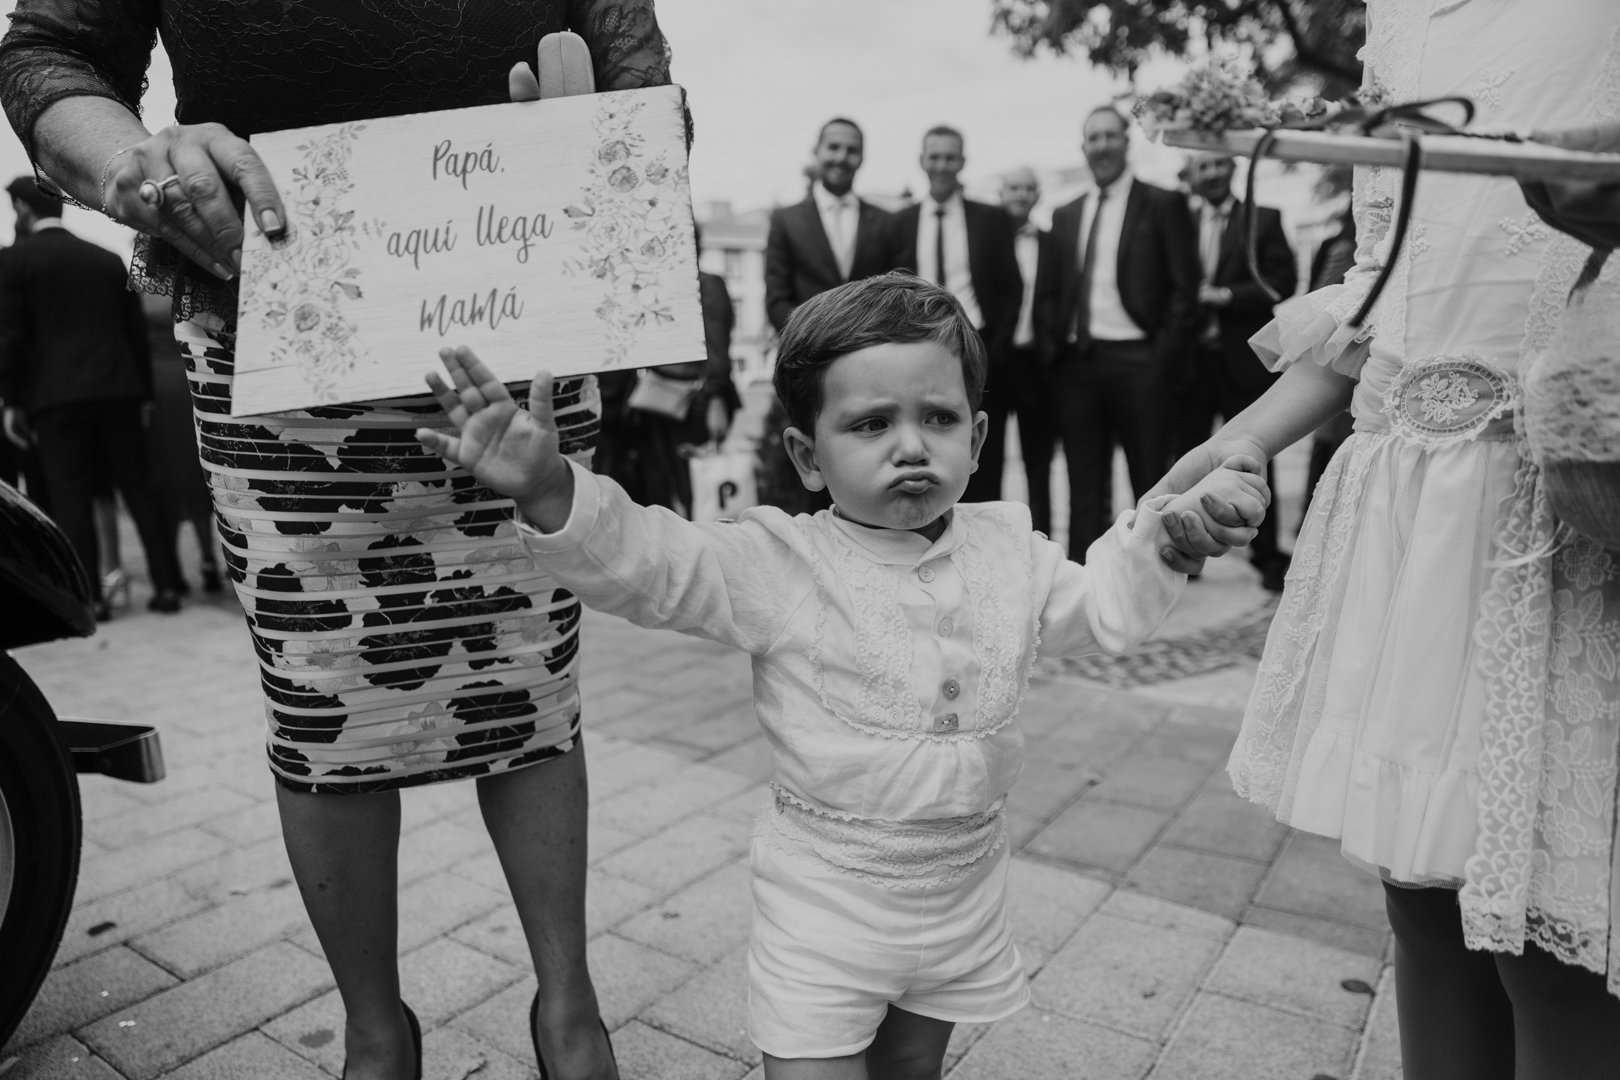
[{"x": 763, "y": 75}]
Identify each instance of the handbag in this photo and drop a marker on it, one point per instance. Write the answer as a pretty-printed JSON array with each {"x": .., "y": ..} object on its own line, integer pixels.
[
  {"x": 1572, "y": 408},
  {"x": 663, "y": 395}
]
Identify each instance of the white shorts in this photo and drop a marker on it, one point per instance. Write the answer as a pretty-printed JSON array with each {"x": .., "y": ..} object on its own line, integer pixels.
[{"x": 830, "y": 951}]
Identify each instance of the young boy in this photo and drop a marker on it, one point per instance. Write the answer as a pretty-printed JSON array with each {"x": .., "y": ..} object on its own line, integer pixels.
[{"x": 892, "y": 638}]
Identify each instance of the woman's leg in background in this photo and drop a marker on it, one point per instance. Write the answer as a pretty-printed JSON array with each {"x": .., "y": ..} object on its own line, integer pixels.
[
  {"x": 536, "y": 817},
  {"x": 1566, "y": 1023},
  {"x": 344, "y": 851},
  {"x": 1456, "y": 1020}
]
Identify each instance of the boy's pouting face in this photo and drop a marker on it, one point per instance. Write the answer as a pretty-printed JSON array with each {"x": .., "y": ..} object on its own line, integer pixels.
[{"x": 896, "y": 439}]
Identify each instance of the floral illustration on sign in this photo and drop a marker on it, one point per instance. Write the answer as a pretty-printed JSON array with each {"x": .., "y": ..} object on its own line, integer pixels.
[
  {"x": 299, "y": 288},
  {"x": 1443, "y": 395},
  {"x": 635, "y": 225}
]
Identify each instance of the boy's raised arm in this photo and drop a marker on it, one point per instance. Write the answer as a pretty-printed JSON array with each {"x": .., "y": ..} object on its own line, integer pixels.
[{"x": 506, "y": 449}]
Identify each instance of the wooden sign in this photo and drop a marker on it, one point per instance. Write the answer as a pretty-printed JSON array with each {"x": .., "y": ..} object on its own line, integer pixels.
[
  {"x": 553, "y": 234},
  {"x": 1441, "y": 153}
]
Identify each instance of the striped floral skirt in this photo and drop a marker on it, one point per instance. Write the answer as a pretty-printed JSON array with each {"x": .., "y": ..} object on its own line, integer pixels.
[{"x": 404, "y": 634}]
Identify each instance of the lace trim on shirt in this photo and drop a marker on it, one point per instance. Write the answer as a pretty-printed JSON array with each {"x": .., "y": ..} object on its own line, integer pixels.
[
  {"x": 894, "y": 854},
  {"x": 1004, "y": 667}
]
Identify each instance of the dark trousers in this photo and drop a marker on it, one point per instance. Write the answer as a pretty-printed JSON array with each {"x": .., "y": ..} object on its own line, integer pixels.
[
  {"x": 1209, "y": 394},
  {"x": 1109, "y": 393},
  {"x": 78, "y": 444},
  {"x": 1471, "y": 1015},
  {"x": 21, "y": 465},
  {"x": 1019, "y": 385}
]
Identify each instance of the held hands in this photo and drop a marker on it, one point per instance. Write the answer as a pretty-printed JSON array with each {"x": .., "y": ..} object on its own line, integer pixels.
[
  {"x": 1222, "y": 511},
  {"x": 506, "y": 449}
]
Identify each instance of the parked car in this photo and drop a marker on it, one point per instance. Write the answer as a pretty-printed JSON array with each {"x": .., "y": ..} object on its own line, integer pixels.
[{"x": 45, "y": 595}]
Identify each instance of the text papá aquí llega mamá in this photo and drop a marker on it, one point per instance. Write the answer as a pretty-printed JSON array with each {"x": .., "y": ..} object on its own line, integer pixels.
[{"x": 492, "y": 227}]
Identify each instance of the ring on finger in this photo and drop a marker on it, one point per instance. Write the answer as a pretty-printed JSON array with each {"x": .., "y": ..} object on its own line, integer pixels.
[{"x": 151, "y": 193}]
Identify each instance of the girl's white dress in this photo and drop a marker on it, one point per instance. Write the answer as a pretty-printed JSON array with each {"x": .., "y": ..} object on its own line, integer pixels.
[
  {"x": 1439, "y": 689},
  {"x": 888, "y": 672}
]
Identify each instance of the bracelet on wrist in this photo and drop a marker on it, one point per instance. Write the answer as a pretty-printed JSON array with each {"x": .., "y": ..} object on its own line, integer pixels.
[{"x": 106, "y": 170}]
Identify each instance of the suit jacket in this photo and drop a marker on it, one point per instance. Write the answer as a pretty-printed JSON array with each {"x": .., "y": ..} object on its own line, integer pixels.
[
  {"x": 799, "y": 260},
  {"x": 70, "y": 329},
  {"x": 1250, "y": 308},
  {"x": 992, "y": 265},
  {"x": 1157, "y": 271}
]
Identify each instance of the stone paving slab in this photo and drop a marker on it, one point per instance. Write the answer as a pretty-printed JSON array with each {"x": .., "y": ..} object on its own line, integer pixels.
[{"x": 1172, "y": 930}]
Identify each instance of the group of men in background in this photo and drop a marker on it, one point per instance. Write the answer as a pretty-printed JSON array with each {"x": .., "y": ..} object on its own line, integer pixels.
[{"x": 1124, "y": 325}]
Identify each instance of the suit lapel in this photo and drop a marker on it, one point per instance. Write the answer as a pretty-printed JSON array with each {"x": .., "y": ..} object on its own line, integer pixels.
[
  {"x": 1232, "y": 238},
  {"x": 864, "y": 225},
  {"x": 1135, "y": 207},
  {"x": 816, "y": 237}
]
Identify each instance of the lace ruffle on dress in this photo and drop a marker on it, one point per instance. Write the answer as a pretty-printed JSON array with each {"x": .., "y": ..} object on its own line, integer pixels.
[{"x": 1439, "y": 689}]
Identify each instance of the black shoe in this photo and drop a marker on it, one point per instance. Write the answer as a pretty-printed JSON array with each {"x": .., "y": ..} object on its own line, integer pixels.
[
  {"x": 165, "y": 600},
  {"x": 416, "y": 1042},
  {"x": 211, "y": 581},
  {"x": 534, "y": 1034}
]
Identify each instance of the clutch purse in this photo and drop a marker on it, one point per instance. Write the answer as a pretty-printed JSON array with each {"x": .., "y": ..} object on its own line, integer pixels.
[{"x": 663, "y": 395}]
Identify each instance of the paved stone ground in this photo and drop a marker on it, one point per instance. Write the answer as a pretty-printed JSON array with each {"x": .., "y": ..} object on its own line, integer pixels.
[{"x": 1173, "y": 931}]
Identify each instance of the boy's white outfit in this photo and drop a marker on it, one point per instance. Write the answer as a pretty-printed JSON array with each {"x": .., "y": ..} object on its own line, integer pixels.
[{"x": 887, "y": 672}]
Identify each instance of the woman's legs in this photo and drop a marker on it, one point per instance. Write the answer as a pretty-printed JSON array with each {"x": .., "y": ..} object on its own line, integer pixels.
[
  {"x": 536, "y": 817},
  {"x": 1565, "y": 1021},
  {"x": 344, "y": 851},
  {"x": 1456, "y": 1020}
]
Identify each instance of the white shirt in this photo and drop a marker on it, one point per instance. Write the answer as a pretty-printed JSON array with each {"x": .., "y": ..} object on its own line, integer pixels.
[
  {"x": 1109, "y": 319},
  {"x": 888, "y": 669},
  {"x": 1027, "y": 247},
  {"x": 958, "y": 276},
  {"x": 840, "y": 217},
  {"x": 1212, "y": 221}
]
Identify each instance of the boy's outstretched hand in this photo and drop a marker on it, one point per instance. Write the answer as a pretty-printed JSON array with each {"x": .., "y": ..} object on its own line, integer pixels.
[{"x": 510, "y": 451}]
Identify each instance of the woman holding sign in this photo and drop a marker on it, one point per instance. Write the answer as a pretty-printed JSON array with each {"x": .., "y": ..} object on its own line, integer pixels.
[{"x": 404, "y": 636}]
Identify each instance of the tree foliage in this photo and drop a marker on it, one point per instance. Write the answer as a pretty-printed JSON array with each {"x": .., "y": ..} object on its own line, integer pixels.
[{"x": 1291, "y": 41}]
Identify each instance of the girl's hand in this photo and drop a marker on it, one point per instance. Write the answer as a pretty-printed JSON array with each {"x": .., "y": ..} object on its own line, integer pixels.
[
  {"x": 187, "y": 184},
  {"x": 506, "y": 449},
  {"x": 1218, "y": 530}
]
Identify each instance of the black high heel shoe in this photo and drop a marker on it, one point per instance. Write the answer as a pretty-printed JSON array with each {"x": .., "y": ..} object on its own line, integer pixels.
[
  {"x": 416, "y": 1042},
  {"x": 534, "y": 1035},
  {"x": 211, "y": 581}
]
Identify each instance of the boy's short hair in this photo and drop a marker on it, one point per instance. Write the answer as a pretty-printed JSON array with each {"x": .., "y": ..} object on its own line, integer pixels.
[{"x": 894, "y": 308}]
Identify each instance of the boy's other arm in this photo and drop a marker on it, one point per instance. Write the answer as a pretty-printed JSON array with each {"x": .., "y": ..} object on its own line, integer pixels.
[{"x": 1116, "y": 598}]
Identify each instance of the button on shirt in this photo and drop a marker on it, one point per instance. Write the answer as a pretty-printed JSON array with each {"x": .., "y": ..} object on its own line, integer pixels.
[
  {"x": 958, "y": 277},
  {"x": 840, "y": 218},
  {"x": 1109, "y": 319}
]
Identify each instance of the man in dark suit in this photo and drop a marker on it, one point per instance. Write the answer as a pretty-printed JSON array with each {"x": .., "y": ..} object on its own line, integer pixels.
[
  {"x": 75, "y": 366},
  {"x": 829, "y": 238},
  {"x": 1028, "y": 375},
  {"x": 968, "y": 248},
  {"x": 832, "y": 236},
  {"x": 1115, "y": 299},
  {"x": 1232, "y": 307}
]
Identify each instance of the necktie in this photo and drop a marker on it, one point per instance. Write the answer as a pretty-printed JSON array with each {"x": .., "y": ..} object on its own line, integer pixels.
[
  {"x": 840, "y": 238},
  {"x": 1082, "y": 304},
  {"x": 939, "y": 244}
]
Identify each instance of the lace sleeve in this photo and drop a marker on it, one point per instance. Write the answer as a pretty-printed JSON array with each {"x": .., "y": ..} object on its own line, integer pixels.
[
  {"x": 628, "y": 49},
  {"x": 58, "y": 49}
]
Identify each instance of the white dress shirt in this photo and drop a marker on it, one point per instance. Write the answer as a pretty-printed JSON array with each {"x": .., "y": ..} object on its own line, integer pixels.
[
  {"x": 1027, "y": 247},
  {"x": 1109, "y": 319},
  {"x": 958, "y": 276},
  {"x": 840, "y": 217}
]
